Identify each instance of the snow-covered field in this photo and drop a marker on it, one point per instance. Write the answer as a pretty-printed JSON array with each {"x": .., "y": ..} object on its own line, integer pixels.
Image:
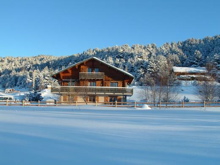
[
  {"x": 93, "y": 135},
  {"x": 186, "y": 89}
]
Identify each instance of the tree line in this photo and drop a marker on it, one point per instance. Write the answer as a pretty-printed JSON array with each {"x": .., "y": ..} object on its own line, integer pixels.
[{"x": 140, "y": 60}]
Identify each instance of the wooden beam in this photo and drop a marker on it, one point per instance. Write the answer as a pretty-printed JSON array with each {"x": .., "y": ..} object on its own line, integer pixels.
[{"x": 70, "y": 70}]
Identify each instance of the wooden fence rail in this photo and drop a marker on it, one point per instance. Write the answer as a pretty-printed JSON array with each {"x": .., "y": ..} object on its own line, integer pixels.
[{"x": 113, "y": 104}]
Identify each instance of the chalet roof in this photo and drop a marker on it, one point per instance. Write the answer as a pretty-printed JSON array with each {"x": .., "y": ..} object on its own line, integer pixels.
[
  {"x": 189, "y": 69},
  {"x": 97, "y": 59}
]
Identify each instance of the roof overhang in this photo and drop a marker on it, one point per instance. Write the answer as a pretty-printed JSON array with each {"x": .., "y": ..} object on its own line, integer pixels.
[{"x": 97, "y": 59}]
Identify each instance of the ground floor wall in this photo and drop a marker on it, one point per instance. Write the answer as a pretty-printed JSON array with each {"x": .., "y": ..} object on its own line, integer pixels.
[{"x": 92, "y": 99}]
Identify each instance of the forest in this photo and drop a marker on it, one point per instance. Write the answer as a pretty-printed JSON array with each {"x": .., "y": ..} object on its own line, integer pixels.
[{"x": 139, "y": 60}]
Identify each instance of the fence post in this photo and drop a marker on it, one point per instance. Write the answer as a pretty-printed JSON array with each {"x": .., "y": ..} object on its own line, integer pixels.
[
  {"x": 6, "y": 102},
  {"x": 135, "y": 104},
  {"x": 183, "y": 104},
  {"x": 116, "y": 104},
  {"x": 38, "y": 102},
  {"x": 204, "y": 104},
  {"x": 23, "y": 102},
  {"x": 160, "y": 104}
]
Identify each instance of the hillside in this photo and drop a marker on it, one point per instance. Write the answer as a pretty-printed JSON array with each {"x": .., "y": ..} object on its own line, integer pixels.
[{"x": 136, "y": 59}]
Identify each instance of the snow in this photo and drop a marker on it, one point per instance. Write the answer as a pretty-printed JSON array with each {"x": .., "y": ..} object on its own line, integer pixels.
[
  {"x": 96, "y": 135},
  {"x": 189, "y": 69},
  {"x": 47, "y": 95},
  {"x": 145, "y": 106},
  {"x": 4, "y": 94},
  {"x": 186, "y": 89},
  {"x": 20, "y": 95}
]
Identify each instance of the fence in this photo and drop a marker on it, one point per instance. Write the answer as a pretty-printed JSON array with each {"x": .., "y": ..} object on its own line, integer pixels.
[{"x": 113, "y": 104}]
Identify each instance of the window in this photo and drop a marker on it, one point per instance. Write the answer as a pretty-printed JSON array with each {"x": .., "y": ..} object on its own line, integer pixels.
[
  {"x": 96, "y": 70},
  {"x": 114, "y": 84},
  {"x": 71, "y": 83},
  {"x": 92, "y": 83},
  {"x": 89, "y": 69},
  {"x": 71, "y": 98},
  {"x": 124, "y": 99},
  {"x": 92, "y": 99},
  {"x": 93, "y": 69},
  {"x": 112, "y": 99}
]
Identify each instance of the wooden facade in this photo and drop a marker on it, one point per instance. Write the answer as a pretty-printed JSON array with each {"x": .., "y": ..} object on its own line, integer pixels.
[
  {"x": 191, "y": 73},
  {"x": 93, "y": 80}
]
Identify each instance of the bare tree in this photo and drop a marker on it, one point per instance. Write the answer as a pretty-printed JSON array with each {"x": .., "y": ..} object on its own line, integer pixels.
[
  {"x": 207, "y": 90},
  {"x": 152, "y": 93},
  {"x": 160, "y": 85},
  {"x": 170, "y": 88}
]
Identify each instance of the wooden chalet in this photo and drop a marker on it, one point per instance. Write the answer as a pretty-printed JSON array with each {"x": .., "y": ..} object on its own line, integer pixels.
[{"x": 93, "y": 80}]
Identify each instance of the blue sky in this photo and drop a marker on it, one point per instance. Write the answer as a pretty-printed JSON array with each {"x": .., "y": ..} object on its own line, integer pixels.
[{"x": 66, "y": 27}]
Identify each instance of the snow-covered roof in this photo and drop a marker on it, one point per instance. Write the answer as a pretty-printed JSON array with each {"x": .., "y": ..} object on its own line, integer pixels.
[
  {"x": 99, "y": 61},
  {"x": 3, "y": 94},
  {"x": 189, "y": 69}
]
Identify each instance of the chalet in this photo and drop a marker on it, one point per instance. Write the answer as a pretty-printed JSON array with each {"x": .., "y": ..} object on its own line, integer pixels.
[
  {"x": 93, "y": 80},
  {"x": 190, "y": 73}
]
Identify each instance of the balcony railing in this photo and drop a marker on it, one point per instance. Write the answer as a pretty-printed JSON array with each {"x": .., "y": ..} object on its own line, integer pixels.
[
  {"x": 91, "y": 75},
  {"x": 92, "y": 90}
]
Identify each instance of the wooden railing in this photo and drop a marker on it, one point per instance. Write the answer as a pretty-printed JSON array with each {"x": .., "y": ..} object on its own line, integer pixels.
[
  {"x": 92, "y": 90},
  {"x": 91, "y": 75},
  {"x": 159, "y": 105}
]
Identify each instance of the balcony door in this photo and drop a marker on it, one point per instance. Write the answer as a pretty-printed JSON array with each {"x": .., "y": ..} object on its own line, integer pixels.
[
  {"x": 71, "y": 83},
  {"x": 92, "y": 99},
  {"x": 112, "y": 99},
  {"x": 92, "y": 83}
]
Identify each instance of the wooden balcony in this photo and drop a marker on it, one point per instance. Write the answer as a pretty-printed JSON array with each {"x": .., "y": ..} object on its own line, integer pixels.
[
  {"x": 93, "y": 90},
  {"x": 91, "y": 75}
]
